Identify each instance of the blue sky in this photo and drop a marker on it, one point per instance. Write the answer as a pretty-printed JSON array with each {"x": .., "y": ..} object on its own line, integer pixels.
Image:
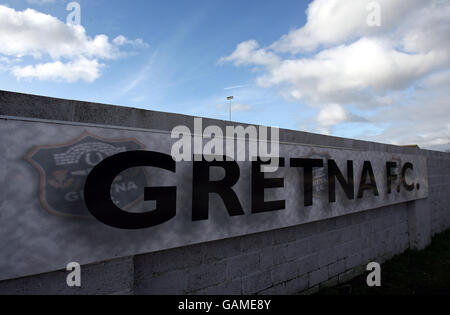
[
  {"x": 285, "y": 65},
  {"x": 179, "y": 70}
]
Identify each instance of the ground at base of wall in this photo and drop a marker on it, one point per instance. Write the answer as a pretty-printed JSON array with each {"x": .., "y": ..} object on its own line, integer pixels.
[{"x": 424, "y": 272}]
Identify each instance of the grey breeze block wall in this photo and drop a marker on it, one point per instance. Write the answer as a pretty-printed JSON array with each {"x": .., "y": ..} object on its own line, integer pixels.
[{"x": 297, "y": 259}]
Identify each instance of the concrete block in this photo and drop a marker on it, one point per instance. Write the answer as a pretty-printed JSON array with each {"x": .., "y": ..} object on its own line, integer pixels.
[
  {"x": 346, "y": 276},
  {"x": 297, "y": 285},
  {"x": 332, "y": 282},
  {"x": 318, "y": 276},
  {"x": 358, "y": 218},
  {"x": 219, "y": 250},
  {"x": 326, "y": 226},
  {"x": 284, "y": 272},
  {"x": 283, "y": 236},
  {"x": 335, "y": 237},
  {"x": 336, "y": 268},
  {"x": 266, "y": 259},
  {"x": 308, "y": 264},
  {"x": 301, "y": 248},
  {"x": 278, "y": 289},
  {"x": 256, "y": 283},
  {"x": 256, "y": 242},
  {"x": 327, "y": 257},
  {"x": 204, "y": 276},
  {"x": 306, "y": 230},
  {"x": 367, "y": 256},
  {"x": 32, "y": 106},
  {"x": 355, "y": 232},
  {"x": 166, "y": 284},
  {"x": 419, "y": 222},
  {"x": 242, "y": 265},
  {"x": 351, "y": 247},
  {"x": 168, "y": 260},
  {"x": 111, "y": 277},
  {"x": 353, "y": 260},
  {"x": 284, "y": 253},
  {"x": 343, "y": 221},
  {"x": 104, "y": 114},
  {"x": 318, "y": 242},
  {"x": 233, "y": 287},
  {"x": 311, "y": 290}
]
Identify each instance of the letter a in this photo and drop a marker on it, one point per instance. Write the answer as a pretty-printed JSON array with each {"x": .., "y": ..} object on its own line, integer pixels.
[
  {"x": 74, "y": 17},
  {"x": 74, "y": 278},
  {"x": 374, "y": 278},
  {"x": 374, "y": 17}
]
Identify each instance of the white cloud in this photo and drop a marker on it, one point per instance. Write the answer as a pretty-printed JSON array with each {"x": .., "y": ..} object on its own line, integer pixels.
[
  {"x": 240, "y": 107},
  {"x": 332, "y": 22},
  {"x": 337, "y": 58},
  {"x": 234, "y": 87},
  {"x": 422, "y": 119},
  {"x": 39, "y": 35},
  {"x": 248, "y": 53},
  {"x": 62, "y": 47},
  {"x": 333, "y": 114},
  {"x": 340, "y": 72},
  {"x": 81, "y": 69},
  {"x": 122, "y": 40}
]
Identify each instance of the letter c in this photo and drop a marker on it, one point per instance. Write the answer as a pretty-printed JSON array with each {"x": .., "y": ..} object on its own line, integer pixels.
[{"x": 406, "y": 167}]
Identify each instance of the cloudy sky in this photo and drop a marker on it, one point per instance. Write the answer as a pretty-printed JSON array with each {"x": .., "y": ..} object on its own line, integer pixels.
[{"x": 372, "y": 70}]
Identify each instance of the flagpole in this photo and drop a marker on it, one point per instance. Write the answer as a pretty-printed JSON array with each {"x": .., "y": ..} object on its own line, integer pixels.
[{"x": 230, "y": 98}]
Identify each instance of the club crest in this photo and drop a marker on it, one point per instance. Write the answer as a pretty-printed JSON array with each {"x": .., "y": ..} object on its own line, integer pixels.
[{"x": 63, "y": 170}]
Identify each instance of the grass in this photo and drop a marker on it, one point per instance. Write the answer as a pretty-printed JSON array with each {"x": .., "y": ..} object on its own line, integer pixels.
[{"x": 424, "y": 272}]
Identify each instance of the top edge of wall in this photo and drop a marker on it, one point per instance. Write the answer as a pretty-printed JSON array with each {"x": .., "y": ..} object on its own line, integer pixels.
[{"x": 48, "y": 108}]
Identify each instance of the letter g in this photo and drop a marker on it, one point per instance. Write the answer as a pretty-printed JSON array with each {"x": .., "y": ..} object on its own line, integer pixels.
[{"x": 97, "y": 191}]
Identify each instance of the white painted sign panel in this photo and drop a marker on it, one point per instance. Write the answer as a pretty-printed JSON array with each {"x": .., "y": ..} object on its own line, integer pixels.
[{"x": 46, "y": 221}]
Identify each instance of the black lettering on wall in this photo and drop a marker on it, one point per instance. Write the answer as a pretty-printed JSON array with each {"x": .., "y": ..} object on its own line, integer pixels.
[
  {"x": 202, "y": 187},
  {"x": 260, "y": 183},
  {"x": 391, "y": 177},
  {"x": 308, "y": 165},
  {"x": 372, "y": 185},
  {"x": 406, "y": 167},
  {"x": 347, "y": 185},
  {"x": 97, "y": 191}
]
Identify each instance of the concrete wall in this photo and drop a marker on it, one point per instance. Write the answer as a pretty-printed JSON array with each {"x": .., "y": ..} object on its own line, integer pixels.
[{"x": 292, "y": 260}]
